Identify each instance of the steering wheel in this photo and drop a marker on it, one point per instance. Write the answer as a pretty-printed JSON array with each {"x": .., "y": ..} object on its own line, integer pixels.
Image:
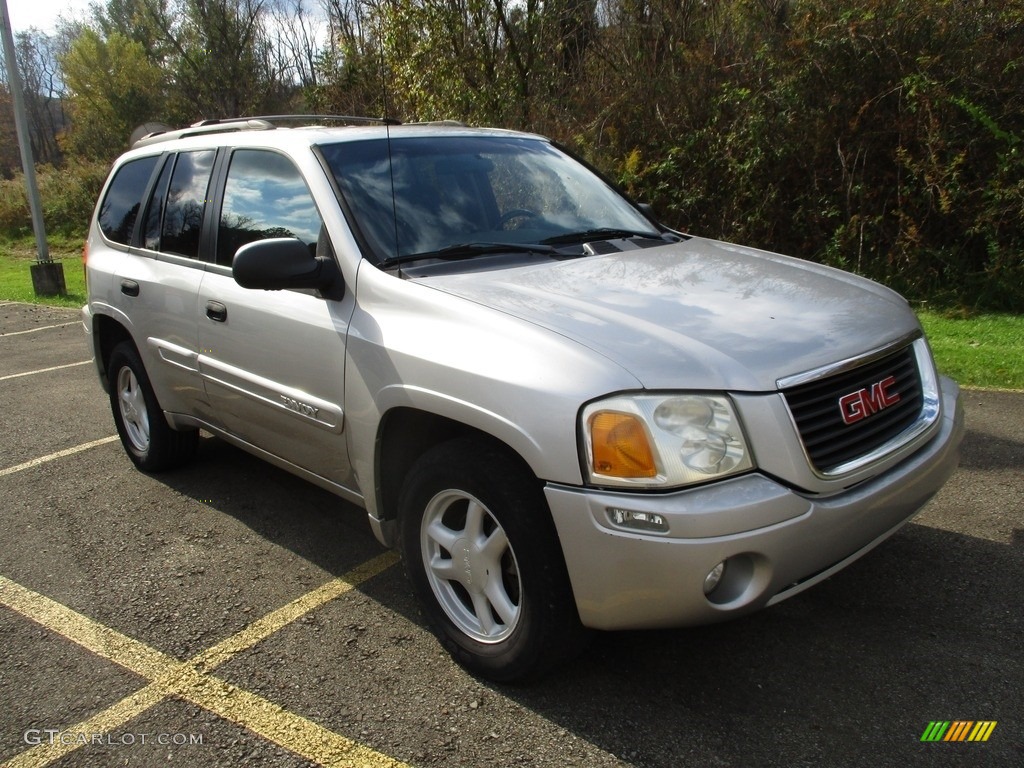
[{"x": 515, "y": 213}]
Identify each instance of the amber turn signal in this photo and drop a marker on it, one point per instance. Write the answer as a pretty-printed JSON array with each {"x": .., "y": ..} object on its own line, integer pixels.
[{"x": 620, "y": 446}]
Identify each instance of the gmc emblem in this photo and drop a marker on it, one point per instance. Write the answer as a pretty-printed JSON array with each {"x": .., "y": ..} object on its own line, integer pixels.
[{"x": 870, "y": 400}]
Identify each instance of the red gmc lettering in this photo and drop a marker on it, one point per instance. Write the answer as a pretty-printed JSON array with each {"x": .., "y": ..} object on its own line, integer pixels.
[{"x": 865, "y": 402}]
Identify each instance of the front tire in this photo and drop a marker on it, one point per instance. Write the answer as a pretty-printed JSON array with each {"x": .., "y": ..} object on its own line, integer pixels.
[
  {"x": 145, "y": 434},
  {"x": 483, "y": 556}
]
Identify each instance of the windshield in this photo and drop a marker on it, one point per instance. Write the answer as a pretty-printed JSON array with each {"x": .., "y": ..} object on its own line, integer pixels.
[{"x": 429, "y": 194}]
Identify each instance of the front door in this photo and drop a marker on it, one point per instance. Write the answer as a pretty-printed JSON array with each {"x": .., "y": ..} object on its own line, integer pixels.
[{"x": 273, "y": 362}]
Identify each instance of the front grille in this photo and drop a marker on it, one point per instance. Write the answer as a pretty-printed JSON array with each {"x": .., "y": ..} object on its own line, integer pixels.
[{"x": 829, "y": 441}]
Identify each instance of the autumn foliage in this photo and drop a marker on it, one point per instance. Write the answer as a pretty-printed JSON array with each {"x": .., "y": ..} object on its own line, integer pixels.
[{"x": 881, "y": 136}]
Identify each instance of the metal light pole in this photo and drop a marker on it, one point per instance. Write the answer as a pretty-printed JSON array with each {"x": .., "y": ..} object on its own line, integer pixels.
[{"x": 47, "y": 275}]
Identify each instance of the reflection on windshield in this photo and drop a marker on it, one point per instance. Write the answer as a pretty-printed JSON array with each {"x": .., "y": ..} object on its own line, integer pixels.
[{"x": 431, "y": 193}]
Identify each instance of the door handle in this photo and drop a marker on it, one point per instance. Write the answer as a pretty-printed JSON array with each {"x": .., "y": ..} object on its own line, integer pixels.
[
  {"x": 129, "y": 288},
  {"x": 216, "y": 311}
]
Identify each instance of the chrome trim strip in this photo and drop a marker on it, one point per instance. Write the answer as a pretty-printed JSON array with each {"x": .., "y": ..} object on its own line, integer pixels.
[
  {"x": 847, "y": 365},
  {"x": 322, "y": 413},
  {"x": 176, "y": 355}
]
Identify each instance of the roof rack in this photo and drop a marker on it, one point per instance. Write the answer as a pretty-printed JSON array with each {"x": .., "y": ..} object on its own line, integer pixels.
[
  {"x": 350, "y": 119},
  {"x": 258, "y": 123},
  {"x": 447, "y": 121}
]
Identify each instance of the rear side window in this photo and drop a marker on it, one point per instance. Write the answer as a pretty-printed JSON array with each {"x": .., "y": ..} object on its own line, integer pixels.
[
  {"x": 186, "y": 200},
  {"x": 121, "y": 204},
  {"x": 264, "y": 196}
]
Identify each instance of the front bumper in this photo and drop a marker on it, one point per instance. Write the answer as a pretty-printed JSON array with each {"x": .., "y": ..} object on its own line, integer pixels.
[{"x": 776, "y": 541}]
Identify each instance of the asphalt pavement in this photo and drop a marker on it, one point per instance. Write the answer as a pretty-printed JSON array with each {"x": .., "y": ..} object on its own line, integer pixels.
[{"x": 228, "y": 614}]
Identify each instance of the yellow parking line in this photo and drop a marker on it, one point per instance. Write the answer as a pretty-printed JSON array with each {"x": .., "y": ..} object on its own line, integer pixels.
[
  {"x": 108, "y": 720},
  {"x": 192, "y": 680},
  {"x": 262, "y": 628},
  {"x": 101, "y": 640},
  {"x": 57, "y": 455},
  {"x": 295, "y": 733}
]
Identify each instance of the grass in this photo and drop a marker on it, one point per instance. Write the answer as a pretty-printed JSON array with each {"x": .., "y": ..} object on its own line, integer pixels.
[
  {"x": 16, "y": 277},
  {"x": 976, "y": 350}
]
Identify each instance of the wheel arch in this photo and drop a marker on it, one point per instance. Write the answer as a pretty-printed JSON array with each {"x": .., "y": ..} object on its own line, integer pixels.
[
  {"x": 407, "y": 433},
  {"x": 107, "y": 334}
]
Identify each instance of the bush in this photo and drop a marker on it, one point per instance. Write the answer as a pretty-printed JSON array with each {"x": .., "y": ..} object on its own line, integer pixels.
[
  {"x": 68, "y": 196},
  {"x": 878, "y": 136}
]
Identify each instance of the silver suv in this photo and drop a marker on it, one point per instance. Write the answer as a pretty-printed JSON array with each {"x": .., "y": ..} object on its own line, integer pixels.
[{"x": 563, "y": 415}]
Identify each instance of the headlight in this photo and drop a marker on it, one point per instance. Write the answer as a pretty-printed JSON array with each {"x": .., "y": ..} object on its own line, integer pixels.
[{"x": 662, "y": 441}]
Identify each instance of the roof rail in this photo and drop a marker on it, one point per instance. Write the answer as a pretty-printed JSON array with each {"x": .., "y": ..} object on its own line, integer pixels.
[
  {"x": 258, "y": 123},
  {"x": 351, "y": 119},
  {"x": 205, "y": 126},
  {"x": 447, "y": 121}
]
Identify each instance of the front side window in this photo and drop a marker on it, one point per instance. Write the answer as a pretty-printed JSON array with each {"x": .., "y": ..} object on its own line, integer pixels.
[
  {"x": 121, "y": 204},
  {"x": 264, "y": 196},
  {"x": 186, "y": 200}
]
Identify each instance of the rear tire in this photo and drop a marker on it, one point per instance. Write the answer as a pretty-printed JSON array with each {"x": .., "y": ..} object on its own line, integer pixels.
[
  {"x": 484, "y": 559},
  {"x": 145, "y": 434}
]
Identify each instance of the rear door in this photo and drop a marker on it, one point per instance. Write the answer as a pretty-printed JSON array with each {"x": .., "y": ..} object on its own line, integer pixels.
[
  {"x": 157, "y": 285},
  {"x": 273, "y": 362}
]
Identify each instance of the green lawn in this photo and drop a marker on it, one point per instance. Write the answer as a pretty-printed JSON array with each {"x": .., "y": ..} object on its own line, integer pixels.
[
  {"x": 977, "y": 351},
  {"x": 16, "y": 276}
]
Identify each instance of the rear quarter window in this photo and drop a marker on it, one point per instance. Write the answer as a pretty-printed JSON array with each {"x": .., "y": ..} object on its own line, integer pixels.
[
  {"x": 121, "y": 204},
  {"x": 186, "y": 202}
]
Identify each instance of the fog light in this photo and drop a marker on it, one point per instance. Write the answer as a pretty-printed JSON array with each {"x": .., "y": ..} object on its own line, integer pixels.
[
  {"x": 713, "y": 578},
  {"x": 641, "y": 521}
]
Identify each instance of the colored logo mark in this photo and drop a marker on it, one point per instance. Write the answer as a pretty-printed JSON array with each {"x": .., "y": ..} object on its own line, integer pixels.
[{"x": 958, "y": 730}]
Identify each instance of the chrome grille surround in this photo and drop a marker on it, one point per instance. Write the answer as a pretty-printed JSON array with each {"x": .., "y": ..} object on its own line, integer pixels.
[{"x": 812, "y": 399}]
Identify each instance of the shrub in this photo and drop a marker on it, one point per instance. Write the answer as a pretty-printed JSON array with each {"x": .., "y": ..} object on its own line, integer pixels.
[
  {"x": 67, "y": 195},
  {"x": 882, "y": 137}
]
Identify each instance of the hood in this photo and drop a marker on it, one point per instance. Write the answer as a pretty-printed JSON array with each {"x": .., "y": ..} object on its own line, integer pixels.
[{"x": 699, "y": 314}]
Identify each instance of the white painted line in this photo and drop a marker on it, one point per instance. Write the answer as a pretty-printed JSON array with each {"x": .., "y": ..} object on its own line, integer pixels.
[
  {"x": 40, "y": 328},
  {"x": 43, "y": 370},
  {"x": 57, "y": 455}
]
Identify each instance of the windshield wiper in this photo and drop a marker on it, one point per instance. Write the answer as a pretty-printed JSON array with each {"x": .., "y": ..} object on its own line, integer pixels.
[
  {"x": 468, "y": 250},
  {"x": 601, "y": 233}
]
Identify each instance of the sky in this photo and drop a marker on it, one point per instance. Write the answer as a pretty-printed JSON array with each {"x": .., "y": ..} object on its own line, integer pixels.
[{"x": 43, "y": 13}]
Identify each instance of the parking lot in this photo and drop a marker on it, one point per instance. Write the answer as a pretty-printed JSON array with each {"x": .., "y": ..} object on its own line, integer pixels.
[{"x": 229, "y": 614}]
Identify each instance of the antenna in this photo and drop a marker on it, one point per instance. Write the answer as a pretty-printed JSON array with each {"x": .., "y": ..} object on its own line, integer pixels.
[
  {"x": 394, "y": 202},
  {"x": 387, "y": 133},
  {"x": 383, "y": 69}
]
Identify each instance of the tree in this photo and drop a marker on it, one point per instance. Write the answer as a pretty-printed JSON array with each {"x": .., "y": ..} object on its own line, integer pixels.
[
  {"x": 36, "y": 54},
  {"x": 138, "y": 20},
  {"x": 351, "y": 78},
  {"x": 219, "y": 55},
  {"x": 44, "y": 93},
  {"x": 493, "y": 61},
  {"x": 295, "y": 44},
  {"x": 10, "y": 160},
  {"x": 114, "y": 87},
  {"x": 223, "y": 58}
]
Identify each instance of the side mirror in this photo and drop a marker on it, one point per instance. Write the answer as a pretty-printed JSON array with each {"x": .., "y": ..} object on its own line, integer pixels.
[
  {"x": 648, "y": 210},
  {"x": 282, "y": 262}
]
